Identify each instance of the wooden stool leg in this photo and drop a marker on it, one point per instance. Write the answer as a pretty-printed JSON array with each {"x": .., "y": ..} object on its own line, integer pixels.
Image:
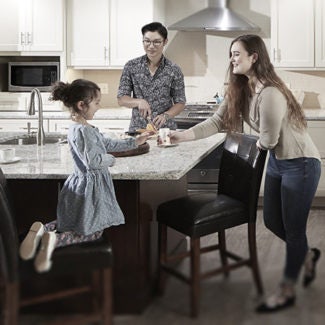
[
  {"x": 107, "y": 303},
  {"x": 11, "y": 304},
  {"x": 162, "y": 247},
  {"x": 222, "y": 250},
  {"x": 195, "y": 276},
  {"x": 253, "y": 257}
]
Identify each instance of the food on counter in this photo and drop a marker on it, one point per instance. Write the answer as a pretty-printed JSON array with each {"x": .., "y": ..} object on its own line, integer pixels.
[{"x": 149, "y": 128}]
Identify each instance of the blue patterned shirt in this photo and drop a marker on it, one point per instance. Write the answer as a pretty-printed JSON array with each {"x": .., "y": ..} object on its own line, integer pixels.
[{"x": 162, "y": 90}]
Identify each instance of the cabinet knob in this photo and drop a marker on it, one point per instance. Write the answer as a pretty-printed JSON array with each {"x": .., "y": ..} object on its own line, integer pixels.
[{"x": 203, "y": 172}]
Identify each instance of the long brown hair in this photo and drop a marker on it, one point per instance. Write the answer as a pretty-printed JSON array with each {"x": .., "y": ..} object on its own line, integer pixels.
[{"x": 238, "y": 90}]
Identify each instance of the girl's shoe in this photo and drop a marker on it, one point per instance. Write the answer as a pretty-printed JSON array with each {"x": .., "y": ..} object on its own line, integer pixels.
[
  {"x": 43, "y": 259},
  {"x": 310, "y": 272},
  {"x": 29, "y": 245}
]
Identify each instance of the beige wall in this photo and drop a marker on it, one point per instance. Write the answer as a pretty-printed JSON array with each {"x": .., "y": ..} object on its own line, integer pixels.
[{"x": 203, "y": 57}]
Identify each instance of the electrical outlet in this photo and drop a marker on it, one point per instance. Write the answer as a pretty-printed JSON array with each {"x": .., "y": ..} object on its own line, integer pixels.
[{"x": 104, "y": 88}]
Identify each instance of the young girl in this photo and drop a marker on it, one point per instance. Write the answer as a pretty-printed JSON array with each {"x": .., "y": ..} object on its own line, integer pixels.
[{"x": 87, "y": 203}]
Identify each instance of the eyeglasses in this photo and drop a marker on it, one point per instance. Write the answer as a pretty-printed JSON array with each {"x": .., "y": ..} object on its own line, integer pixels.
[{"x": 155, "y": 43}]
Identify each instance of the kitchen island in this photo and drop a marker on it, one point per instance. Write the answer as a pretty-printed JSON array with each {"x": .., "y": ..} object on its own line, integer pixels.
[{"x": 141, "y": 184}]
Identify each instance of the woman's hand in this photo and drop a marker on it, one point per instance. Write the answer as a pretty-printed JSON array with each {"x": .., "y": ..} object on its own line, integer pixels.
[
  {"x": 143, "y": 137},
  {"x": 181, "y": 136}
]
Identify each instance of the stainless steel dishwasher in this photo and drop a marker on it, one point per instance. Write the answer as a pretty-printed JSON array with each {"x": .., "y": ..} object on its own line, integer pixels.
[{"x": 204, "y": 176}]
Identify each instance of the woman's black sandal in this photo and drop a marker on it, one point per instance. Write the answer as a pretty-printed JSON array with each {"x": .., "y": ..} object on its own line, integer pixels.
[
  {"x": 308, "y": 278},
  {"x": 265, "y": 308}
]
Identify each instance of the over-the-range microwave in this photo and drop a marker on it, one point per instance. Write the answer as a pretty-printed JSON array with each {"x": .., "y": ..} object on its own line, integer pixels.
[{"x": 24, "y": 76}]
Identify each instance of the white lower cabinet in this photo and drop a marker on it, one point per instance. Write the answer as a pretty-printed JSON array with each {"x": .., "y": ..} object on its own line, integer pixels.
[
  {"x": 111, "y": 125},
  {"x": 62, "y": 126},
  {"x": 316, "y": 131},
  {"x": 21, "y": 125}
]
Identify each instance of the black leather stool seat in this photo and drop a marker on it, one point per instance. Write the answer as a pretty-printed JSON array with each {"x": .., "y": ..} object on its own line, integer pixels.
[
  {"x": 202, "y": 214},
  {"x": 79, "y": 258}
]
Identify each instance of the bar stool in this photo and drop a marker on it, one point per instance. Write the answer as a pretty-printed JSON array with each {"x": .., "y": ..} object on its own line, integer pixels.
[
  {"x": 94, "y": 260},
  {"x": 198, "y": 215}
]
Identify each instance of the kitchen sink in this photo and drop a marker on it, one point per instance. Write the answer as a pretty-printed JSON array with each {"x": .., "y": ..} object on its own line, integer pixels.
[{"x": 33, "y": 140}]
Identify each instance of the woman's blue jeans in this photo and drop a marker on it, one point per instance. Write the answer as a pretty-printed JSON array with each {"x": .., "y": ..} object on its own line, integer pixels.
[{"x": 290, "y": 186}]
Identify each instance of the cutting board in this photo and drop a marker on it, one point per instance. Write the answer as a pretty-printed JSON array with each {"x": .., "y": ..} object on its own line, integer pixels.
[{"x": 140, "y": 150}]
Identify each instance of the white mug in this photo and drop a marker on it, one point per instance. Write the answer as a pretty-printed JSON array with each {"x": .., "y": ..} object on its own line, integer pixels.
[
  {"x": 164, "y": 135},
  {"x": 7, "y": 154}
]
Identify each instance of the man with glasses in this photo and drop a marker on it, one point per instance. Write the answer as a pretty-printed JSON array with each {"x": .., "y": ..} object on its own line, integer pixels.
[{"x": 151, "y": 84}]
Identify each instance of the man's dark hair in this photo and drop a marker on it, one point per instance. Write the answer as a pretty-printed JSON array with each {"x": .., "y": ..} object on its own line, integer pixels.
[{"x": 155, "y": 27}]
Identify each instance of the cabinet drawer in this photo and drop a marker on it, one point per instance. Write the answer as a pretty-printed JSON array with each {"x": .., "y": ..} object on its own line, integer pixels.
[{"x": 24, "y": 125}]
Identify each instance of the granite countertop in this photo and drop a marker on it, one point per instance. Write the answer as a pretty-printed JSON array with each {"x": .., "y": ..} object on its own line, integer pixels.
[{"x": 53, "y": 161}]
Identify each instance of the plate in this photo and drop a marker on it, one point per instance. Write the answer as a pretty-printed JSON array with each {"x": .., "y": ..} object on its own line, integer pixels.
[
  {"x": 168, "y": 145},
  {"x": 10, "y": 161}
]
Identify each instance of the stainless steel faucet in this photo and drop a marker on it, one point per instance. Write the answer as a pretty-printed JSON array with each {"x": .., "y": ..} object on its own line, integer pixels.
[{"x": 31, "y": 111}]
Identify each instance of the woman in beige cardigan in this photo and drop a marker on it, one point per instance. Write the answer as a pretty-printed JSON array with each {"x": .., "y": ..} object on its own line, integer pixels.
[{"x": 258, "y": 96}]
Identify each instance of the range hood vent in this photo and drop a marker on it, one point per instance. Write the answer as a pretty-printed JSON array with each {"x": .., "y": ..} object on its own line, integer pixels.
[{"x": 216, "y": 17}]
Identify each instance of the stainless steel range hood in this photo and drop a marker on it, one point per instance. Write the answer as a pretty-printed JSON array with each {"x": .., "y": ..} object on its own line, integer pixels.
[{"x": 216, "y": 17}]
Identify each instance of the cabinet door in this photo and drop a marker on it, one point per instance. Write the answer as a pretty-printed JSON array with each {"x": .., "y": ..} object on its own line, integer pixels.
[
  {"x": 31, "y": 25},
  {"x": 320, "y": 33},
  {"x": 9, "y": 25},
  {"x": 114, "y": 126},
  {"x": 21, "y": 125},
  {"x": 125, "y": 31},
  {"x": 316, "y": 131},
  {"x": 61, "y": 126},
  {"x": 292, "y": 33},
  {"x": 44, "y": 25},
  {"x": 88, "y": 33}
]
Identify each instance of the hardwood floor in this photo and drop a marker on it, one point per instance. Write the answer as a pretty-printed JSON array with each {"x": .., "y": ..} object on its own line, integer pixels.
[{"x": 232, "y": 301}]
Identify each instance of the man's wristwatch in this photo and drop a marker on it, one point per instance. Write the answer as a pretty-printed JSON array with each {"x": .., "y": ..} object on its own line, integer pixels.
[{"x": 166, "y": 116}]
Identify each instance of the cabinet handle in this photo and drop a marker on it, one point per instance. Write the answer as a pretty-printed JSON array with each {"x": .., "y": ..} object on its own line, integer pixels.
[
  {"x": 28, "y": 128},
  {"x": 276, "y": 55},
  {"x": 29, "y": 38},
  {"x": 22, "y": 38},
  {"x": 106, "y": 53}
]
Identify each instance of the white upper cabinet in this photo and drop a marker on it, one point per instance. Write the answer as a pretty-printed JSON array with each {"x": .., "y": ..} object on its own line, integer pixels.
[
  {"x": 292, "y": 33},
  {"x": 106, "y": 33},
  {"x": 320, "y": 33},
  {"x": 9, "y": 25},
  {"x": 31, "y": 25},
  {"x": 297, "y": 33},
  {"x": 127, "y": 17},
  {"x": 87, "y": 32}
]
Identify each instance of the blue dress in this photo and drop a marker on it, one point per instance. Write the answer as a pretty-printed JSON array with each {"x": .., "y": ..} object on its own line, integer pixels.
[{"x": 87, "y": 201}]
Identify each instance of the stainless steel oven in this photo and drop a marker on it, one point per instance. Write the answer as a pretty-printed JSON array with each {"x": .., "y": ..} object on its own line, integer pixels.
[{"x": 204, "y": 176}]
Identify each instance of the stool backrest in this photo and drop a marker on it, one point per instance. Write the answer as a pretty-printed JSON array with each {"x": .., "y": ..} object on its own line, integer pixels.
[
  {"x": 8, "y": 235},
  {"x": 241, "y": 170}
]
